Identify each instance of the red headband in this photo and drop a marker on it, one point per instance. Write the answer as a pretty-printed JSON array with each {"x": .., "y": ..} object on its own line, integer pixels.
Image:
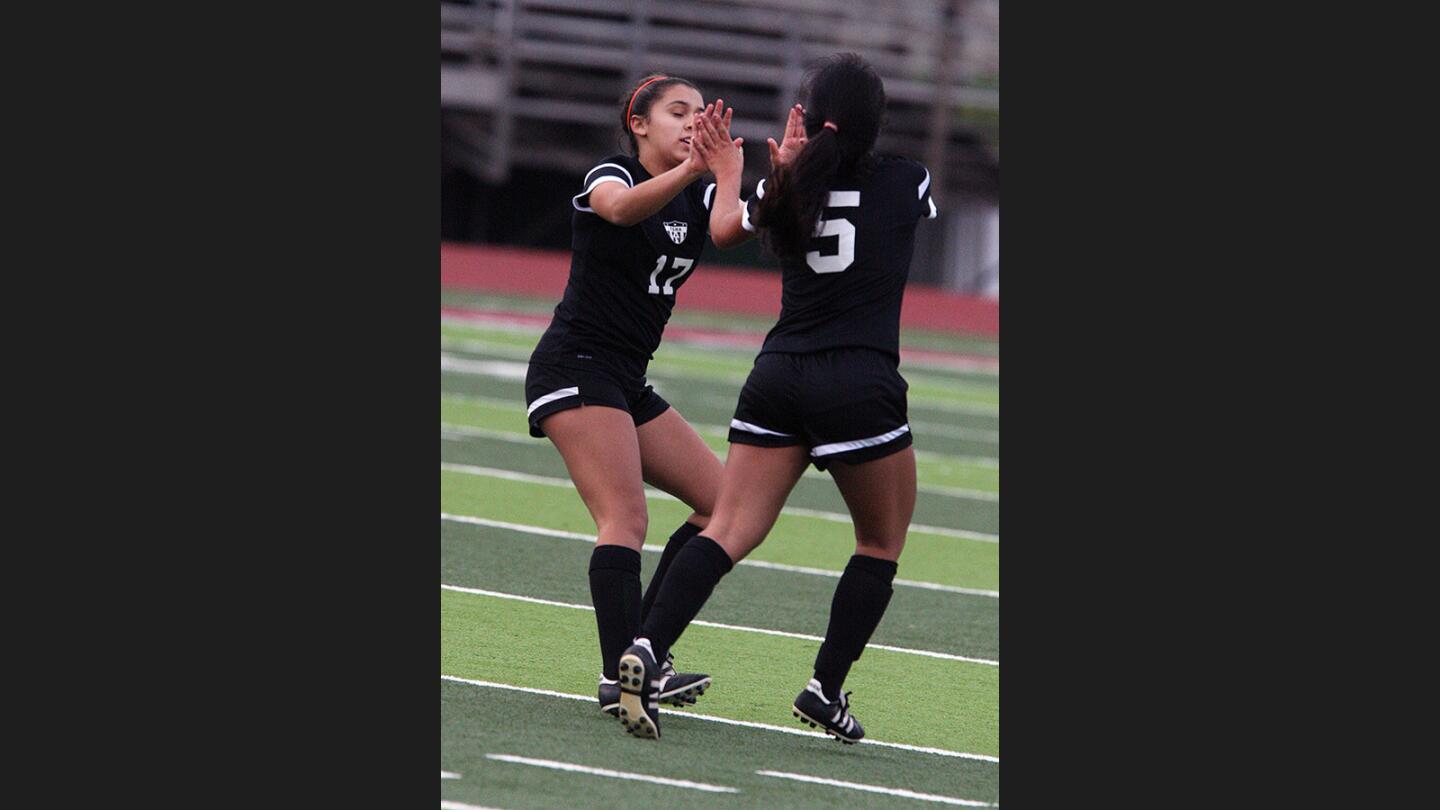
[{"x": 631, "y": 105}]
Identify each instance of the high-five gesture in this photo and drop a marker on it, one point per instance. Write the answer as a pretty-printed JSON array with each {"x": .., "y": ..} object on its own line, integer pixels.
[
  {"x": 697, "y": 163},
  {"x": 794, "y": 139},
  {"x": 712, "y": 140}
]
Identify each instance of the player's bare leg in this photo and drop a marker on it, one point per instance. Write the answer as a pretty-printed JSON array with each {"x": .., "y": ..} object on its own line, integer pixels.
[
  {"x": 602, "y": 453},
  {"x": 881, "y": 498},
  {"x": 676, "y": 460},
  {"x": 757, "y": 482}
]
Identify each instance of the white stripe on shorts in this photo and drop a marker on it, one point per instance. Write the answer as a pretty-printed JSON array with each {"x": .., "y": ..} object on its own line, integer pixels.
[
  {"x": 841, "y": 447},
  {"x": 551, "y": 397},
  {"x": 749, "y": 428}
]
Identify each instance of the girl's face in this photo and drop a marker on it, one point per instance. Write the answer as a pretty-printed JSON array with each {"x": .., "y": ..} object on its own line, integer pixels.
[{"x": 665, "y": 132}]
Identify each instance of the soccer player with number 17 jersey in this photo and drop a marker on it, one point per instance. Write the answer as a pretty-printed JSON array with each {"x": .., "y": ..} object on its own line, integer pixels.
[{"x": 640, "y": 223}]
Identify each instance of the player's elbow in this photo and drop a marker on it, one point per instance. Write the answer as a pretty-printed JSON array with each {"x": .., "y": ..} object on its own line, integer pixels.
[
  {"x": 617, "y": 214},
  {"x": 725, "y": 241}
]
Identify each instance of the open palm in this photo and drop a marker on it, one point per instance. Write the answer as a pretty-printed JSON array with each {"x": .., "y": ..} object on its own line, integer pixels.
[
  {"x": 794, "y": 140},
  {"x": 712, "y": 140}
]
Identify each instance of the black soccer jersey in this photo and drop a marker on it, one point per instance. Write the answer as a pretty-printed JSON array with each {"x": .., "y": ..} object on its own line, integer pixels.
[
  {"x": 846, "y": 291},
  {"x": 623, "y": 281}
]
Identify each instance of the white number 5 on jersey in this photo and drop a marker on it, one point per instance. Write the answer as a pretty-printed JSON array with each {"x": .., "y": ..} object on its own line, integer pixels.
[{"x": 845, "y": 253}]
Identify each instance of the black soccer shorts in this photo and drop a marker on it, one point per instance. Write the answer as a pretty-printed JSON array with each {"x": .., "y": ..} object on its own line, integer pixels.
[
  {"x": 845, "y": 405},
  {"x": 550, "y": 388}
]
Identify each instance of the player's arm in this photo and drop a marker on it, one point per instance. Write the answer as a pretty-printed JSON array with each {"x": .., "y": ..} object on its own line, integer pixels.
[
  {"x": 727, "y": 161},
  {"x": 625, "y": 206}
]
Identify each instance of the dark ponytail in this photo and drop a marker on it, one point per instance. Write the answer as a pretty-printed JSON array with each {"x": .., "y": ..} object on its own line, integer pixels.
[{"x": 844, "y": 103}]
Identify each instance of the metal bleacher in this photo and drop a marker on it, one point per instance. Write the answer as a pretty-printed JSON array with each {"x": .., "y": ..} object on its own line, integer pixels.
[{"x": 537, "y": 83}]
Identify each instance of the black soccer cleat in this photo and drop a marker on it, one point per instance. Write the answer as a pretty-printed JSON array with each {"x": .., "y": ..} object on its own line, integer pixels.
[
  {"x": 832, "y": 717},
  {"x": 640, "y": 681},
  {"x": 609, "y": 697},
  {"x": 680, "y": 688}
]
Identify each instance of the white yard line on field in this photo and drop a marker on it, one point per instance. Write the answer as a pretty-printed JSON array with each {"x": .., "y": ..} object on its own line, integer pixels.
[
  {"x": 462, "y": 432},
  {"x": 655, "y": 494},
  {"x": 836, "y": 517},
  {"x": 908, "y": 794},
  {"x": 794, "y": 569},
  {"x": 444, "y": 805},
  {"x": 928, "y": 427},
  {"x": 449, "y": 775},
  {"x": 953, "y": 432},
  {"x": 459, "y": 433},
  {"x": 911, "y": 583},
  {"x": 986, "y": 462},
  {"x": 727, "y": 721},
  {"x": 668, "y": 374},
  {"x": 521, "y": 527},
  {"x": 487, "y": 368},
  {"x": 972, "y": 434},
  {"x": 638, "y": 777},
  {"x": 745, "y": 341},
  {"x": 720, "y": 626},
  {"x": 738, "y": 348}
]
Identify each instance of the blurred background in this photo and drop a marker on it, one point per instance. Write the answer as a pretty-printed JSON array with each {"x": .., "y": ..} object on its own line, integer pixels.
[{"x": 530, "y": 93}]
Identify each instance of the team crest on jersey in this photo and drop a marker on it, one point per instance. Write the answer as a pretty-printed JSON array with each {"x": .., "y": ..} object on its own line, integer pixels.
[{"x": 677, "y": 231}]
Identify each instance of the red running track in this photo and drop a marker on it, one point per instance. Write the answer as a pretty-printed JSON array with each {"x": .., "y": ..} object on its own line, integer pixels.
[{"x": 543, "y": 273}]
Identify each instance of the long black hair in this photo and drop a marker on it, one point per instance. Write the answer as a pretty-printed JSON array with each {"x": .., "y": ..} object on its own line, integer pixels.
[
  {"x": 637, "y": 101},
  {"x": 846, "y": 92}
]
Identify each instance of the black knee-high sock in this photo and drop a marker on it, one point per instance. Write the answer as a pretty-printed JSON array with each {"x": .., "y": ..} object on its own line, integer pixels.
[
  {"x": 682, "y": 535},
  {"x": 697, "y": 566},
  {"x": 859, "y": 603},
  {"x": 615, "y": 591}
]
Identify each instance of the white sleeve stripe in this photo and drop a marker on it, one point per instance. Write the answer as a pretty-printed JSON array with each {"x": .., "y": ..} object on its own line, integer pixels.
[
  {"x": 745, "y": 218},
  {"x": 933, "y": 212},
  {"x": 749, "y": 428},
  {"x": 709, "y": 191},
  {"x": 609, "y": 178},
  {"x": 628, "y": 178},
  {"x": 841, "y": 447},
  {"x": 924, "y": 185},
  {"x": 760, "y": 189}
]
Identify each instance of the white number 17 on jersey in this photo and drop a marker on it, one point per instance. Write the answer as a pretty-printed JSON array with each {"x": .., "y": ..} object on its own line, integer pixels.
[{"x": 683, "y": 265}]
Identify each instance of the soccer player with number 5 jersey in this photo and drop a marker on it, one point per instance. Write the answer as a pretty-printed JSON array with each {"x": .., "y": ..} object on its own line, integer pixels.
[{"x": 825, "y": 388}]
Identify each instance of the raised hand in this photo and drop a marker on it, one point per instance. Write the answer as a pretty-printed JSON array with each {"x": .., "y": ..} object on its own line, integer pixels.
[
  {"x": 793, "y": 141},
  {"x": 697, "y": 163},
  {"x": 712, "y": 138}
]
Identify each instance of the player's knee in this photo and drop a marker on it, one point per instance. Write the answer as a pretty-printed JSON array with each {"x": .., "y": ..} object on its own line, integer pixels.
[
  {"x": 737, "y": 539},
  {"x": 702, "y": 498},
  {"x": 631, "y": 521},
  {"x": 703, "y": 502},
  {"x": 885, "y": 547}
]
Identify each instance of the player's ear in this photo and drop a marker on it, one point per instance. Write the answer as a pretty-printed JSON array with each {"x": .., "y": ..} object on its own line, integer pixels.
[{"x": 637, "y": 125}]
